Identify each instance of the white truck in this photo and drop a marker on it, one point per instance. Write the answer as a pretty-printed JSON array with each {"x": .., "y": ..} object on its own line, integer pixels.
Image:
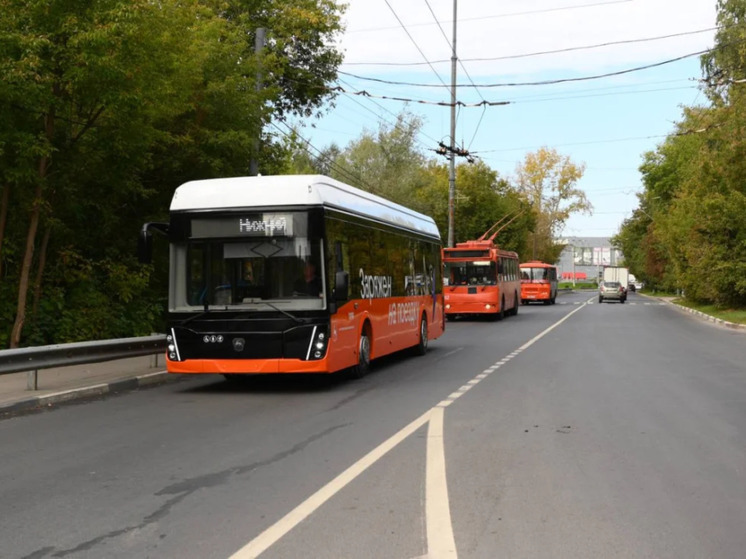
[{"x": 618, "y": 274}]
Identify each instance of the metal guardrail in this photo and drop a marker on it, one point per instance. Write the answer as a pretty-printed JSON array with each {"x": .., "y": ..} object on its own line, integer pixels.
[{"x": 32, "y": 359}]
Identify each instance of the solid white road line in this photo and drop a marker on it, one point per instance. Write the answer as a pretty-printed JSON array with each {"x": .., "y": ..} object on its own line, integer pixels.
[
  {"x": 440, "y": 540},
  {"x": 536, "y": 338},
  {"x": 264, "y": 540}
]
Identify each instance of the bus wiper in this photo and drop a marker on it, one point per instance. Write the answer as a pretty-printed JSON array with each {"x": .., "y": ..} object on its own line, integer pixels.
[
  {"x": 278, "y": 309},
  {"x": 198, "y": 315}
]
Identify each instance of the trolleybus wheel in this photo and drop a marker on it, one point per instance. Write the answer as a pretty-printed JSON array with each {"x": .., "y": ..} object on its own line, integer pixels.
[
  {"x": 421, "y": 347},
  {"x": 363, "y": 356}
]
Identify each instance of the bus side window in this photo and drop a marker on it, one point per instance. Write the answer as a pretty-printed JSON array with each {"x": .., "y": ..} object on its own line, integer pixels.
[{"x": 338, "y": 257}]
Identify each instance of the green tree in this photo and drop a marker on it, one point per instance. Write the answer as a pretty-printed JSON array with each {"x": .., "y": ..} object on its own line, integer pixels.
[
  {"x": 75, "y": 73},
  {"x": 105, "y": 107},
  {"x": 387, "y": 163},
  {"x": 547, "y": 181}
]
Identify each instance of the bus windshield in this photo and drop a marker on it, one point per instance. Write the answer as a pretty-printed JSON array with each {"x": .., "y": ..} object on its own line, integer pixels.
[
  {"x": 534, "y": 274},
  {"x": 249, "y": 273},
  {"x": 470, "y": 273}
]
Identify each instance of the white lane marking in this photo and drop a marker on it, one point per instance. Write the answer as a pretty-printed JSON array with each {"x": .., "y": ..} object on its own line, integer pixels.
[
  {"x": 453, "y": 351},
  {"x": 536, "y": 338},
  {"x": 272, "y": 534},
  {"x": 440, "y": 540},
  {"x": 443, "y": 544}
]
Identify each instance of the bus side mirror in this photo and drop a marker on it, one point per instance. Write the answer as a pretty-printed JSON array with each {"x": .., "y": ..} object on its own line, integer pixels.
[
  {"x": 145, "y": 241},
  {"x": 145, "y": 247},
  {"x": 341, "y": 286}
]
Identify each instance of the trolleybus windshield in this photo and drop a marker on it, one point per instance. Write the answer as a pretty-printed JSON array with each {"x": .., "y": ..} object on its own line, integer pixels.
[
  {"x": 257, "y": 272},
  {"x": 470, "y": 273}
]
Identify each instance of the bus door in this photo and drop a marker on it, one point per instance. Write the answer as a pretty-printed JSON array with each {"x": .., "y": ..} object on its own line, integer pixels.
[{"x": 344, "y": 323}]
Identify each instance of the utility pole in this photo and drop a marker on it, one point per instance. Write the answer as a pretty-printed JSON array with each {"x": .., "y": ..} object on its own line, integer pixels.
[
  {"x": 452, "y": 169},
  {"x": 258, "y": 46}
]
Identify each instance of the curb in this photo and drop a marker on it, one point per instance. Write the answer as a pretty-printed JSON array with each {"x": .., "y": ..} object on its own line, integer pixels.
[
  {"x": 709, "y": 318},
  {"x": 101, "y": 389}
]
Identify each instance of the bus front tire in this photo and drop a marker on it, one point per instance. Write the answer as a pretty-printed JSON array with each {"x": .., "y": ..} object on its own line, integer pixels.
[
  {"x": 421, "y": 347},
  {"x": 363, "y": 357}
]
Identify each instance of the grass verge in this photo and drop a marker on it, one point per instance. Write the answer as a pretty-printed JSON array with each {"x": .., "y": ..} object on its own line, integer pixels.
[{"x": 737, "y": 316}]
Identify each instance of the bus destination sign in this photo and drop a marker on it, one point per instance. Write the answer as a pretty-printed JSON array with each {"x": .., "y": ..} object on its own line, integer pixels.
[
  {"x": 269, "y": 225},
  {"x": 253, "y": 225}
]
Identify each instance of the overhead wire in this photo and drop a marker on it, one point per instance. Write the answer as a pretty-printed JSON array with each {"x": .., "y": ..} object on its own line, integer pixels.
[
  {"x": 542, "y": 82},
  {"x": 513, "y": 14},
  {"x": 396, "y": 116},
  {"x": 341, "y": 170},
  {"x": 404, "y": 27},
  {"x": 465, "y": 72},
  {"x": 540, "y": 53}
]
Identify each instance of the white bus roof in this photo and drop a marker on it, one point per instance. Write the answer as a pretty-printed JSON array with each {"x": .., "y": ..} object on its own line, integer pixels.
[{"x": 296, "y": 190}]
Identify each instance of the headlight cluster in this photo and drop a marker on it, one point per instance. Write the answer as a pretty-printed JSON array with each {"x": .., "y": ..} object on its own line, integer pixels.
[
  {"x": 319, "y": 344},
  {"x": 171, "y": 347}
]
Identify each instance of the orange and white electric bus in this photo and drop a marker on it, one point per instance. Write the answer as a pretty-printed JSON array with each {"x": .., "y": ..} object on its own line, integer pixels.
[
  {"x": 480, "y": 279},
  {"x": 304, "y": 274},
  {"x": 538, "y": 282}
]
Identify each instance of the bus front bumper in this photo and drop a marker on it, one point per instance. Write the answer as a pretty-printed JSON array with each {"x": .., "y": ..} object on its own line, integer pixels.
[
  {"x": 247, "y": 366},
  {"x": 471, "y": 308}
]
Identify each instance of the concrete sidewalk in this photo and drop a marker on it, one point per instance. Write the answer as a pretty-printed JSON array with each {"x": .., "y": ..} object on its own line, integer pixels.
[{"x": 68, "y": 383}]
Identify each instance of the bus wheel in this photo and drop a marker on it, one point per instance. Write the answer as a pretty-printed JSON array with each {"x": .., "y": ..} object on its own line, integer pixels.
[
  {"x": 421, "y": 347},
  {"x": 515, "y": 305},
  {"x": 501, "y": 314},
  {"x": 363, "y": 357}
]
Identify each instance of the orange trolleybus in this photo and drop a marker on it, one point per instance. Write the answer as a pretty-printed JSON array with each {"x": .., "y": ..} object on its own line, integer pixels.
[
  {"x": 282, "y": 274},
  {"x": 480, "y": 279},
  {"x": 538, "y": 282}
]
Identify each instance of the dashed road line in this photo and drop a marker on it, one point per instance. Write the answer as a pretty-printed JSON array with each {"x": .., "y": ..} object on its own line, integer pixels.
[{"x": 439, "y": 528}]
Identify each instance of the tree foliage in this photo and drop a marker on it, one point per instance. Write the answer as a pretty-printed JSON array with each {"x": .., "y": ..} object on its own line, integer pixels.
[
  {"x": 547, "y": 181},
  {"x": 689, "y": 232},
  {"x": 106, "y": 107}
]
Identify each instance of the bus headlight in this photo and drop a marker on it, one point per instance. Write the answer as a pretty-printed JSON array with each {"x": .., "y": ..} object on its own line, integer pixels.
[
  {"x": 488, "y": 306},
  {"x": 448, "y": 306},
  {"x": 317, "y": 350},
  {"x": 172, "y": 356}
]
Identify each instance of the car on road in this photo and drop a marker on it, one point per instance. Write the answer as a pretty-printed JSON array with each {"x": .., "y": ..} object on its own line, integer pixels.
[{"x": 611, "y": 291}]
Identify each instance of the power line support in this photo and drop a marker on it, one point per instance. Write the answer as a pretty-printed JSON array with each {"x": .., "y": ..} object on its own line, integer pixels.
[
  {"x": 258, "y": 46},
  {"x": 452, "y": 168}
]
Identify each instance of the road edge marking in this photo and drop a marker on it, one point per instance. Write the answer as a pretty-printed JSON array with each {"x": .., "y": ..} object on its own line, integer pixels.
[{"x": 272, "y": 534}]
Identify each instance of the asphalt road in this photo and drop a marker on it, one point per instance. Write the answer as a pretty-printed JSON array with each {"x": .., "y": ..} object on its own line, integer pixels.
[{"x": 576, "y": 430}]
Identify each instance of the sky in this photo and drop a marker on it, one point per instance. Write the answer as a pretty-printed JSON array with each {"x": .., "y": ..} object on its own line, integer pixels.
[{"x": 606, "y": 124}]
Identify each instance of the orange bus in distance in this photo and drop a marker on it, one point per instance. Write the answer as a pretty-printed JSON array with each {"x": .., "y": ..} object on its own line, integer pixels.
[
  {"x": 295, "y": 274},
  {"x": 538, "y": 282},
  {"x": 480, "y": 279}
]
